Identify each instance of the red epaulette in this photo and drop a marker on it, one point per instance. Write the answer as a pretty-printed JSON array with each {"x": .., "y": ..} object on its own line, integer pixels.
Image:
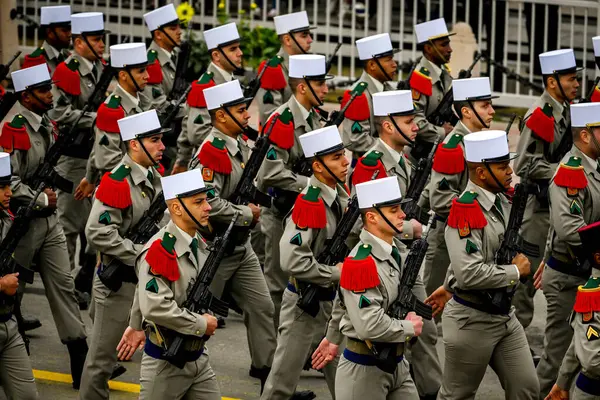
[
  {"x": 571, "y": 175},
  {"x": 421, "y": 82},
  {"x": 358, "y": 109},
  {"x": 14, "y": 135},
  {"x": 67, "y": 77},
  {"x": 449, "y": 157},
  {"x": 109, "y": 113},
  {"x": 273, "y": 78},
  {"x": 367, "y": 166},
  {"x": 309, "y": 210},
  {"x": 595, "y": 95},
  {"x": 282, "y": 134},
  {"x": 114, "y": 190},
  {"x": 36, "y": 58},
  {"x": 359, "y": 273},
  {"x": 160, "y": 169},
  {"x": 2, "y": 91},
  {"x": 155, "y": 73},
  {"x": 588, "y": 297},
  {"x": 466, "y": 214},
  {"x": 196, "y": 96},
  {"x": 214, "y": 155},
  {"x": 162, "y": 258},
  {"x": 541, "y": 122}
]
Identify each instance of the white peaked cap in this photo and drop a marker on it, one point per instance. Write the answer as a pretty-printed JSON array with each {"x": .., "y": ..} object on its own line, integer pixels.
[
  {"x": 393, "y": 102},
  {"x": 5, "y": 164},
  {"x": 26, "y": 77},
  {"x": 307, "y": 65},
  {"x": 321, "y": 140},
  {"x": 161, "y": 16},
  {"x": 429, "y": 30},
  {"x": 485, "y": 145},
  {"x": 596, "y": 43},
  {"x": 126, "y": 54},
  {"x": 557, "y": 60},
  {"x": 55, "y": 15},
  {"x": 221, "y": 94},
  {"x": 373, "y": 46},
  {"x": 471, "y": 89},
  {"x": 138, "y": 124},
  {"x": 291, "y": 22},
  {"x": 584, "y": 114},
  {"x": 221, "y": 35},
  {"x": 87, "y": 22},
  {"x": 378, "y": 191},
  {"x": 185, "y": 182}
]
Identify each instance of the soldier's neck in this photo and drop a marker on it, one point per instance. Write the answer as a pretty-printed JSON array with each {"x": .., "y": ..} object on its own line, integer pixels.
[
  {"x": 91, "y": 58},
  {"x": 188, "y": 227},
  {"x": 165, "y": 44},
  {"x": 556, "y": 95},
  {"x": 29, "y": 107},
  {"x": 374, "y": 77},
  {"x": 470, "y": 126},
  {"x": 326, "y": 179},
  {"x": 304, "y": 101},
  {"x": 221, "y": 128},
  {"x": 586, "y": 150},
  {"x": 381, "y": 234},
  {"x": 431, "y": 60},
  {"x": 398, "y": 147},
  {"x": 140, "y": 159}
]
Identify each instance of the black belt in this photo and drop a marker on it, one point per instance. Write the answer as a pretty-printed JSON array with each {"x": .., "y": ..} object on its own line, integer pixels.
[
  {"x": 567, "y": 268},
  {"x": 439, "y": 218},
  {"x": 364, "y": 359},
  {"x": 588, "y": 385},
  {"x": 156, "y": 351},
  {"x": 324, "y": 294},
  {"x": 486, "y": 308}
]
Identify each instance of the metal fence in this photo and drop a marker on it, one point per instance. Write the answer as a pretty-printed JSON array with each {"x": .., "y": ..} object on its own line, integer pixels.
[{"x": 512, "y": 32}]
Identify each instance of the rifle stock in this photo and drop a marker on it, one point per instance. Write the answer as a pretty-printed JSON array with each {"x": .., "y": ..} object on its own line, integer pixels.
[{"x": 180, "y": 84}]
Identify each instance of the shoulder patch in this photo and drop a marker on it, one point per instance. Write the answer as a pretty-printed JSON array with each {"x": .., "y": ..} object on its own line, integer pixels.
[
  {"x": 356, "y": 127},
  {"x": 210, "y": 194},
  {"x": 108, "y": 115},
  {"x": 360, "y": 272},
  {"x": 471, "y": 247},
  {"x": 359, "y": 109},
  {"x": 152, "y": 285},
  {"x": 363, "y": 301},
  {"x": 282, "y": 134},
  {"x": 571, "y": 175},
  {"x": 162, "y": 258},
  {"x": 587, "y": 317},
  {"x": 296, "y": 239},
  {"x": 541, "y": 123},
  {"x": 156, "y": 93},
  {"x": 207, "y": 174},
  {"x": 449, "y": 157},
  {"x": 104, "y": 140},
  {"x": 271, "y": 154},
  {"x": 104, "y": 218},
  {"x": 368, "y": 166},
  {"x": 309, "y": 210},
  {"x": 273, "y": 77},
  {"x": 214, "y": 155},
  {"x": 199, "y": 120},
  {"x": 592, "y": 333},
  {"x": 196, "y": 96},
  {"x": 114, "y": 190},
  {"x": 67, "y": 77},
  {"x": 575, "y": 208},
  {"x": 416, "y": 95},
  {"x": 443, "y": 184},
  {"x": 421, "y": 82},
  {"x": 268, "y": 97}
]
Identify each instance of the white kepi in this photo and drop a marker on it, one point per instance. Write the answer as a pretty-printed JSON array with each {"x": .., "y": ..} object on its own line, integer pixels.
[
  {"x": 322, "y": 141},
  {"x": 162, "y": 16},
  {"x": 224, "y": 95},
  {"x": 5, "y": 171},
  {"x": 587, "y": 114},
  {"x": 184, "y": 184},
  {"x": 379, "y": 193},
  {"x": 140, "y": 125},
  {"x": 472, "y": 89},
  {"x": 308, "y": 66},
  {"x": 596, "y": 43},
  {"x": 291, "y": 23},
  {"x": 431, "y": 30},
  {"x": 128, "y": 55},
  {"x": 90, "y": 23},
  {"x": 394, "y": 102},
  {"x": 487, "y": 146},
  {"x": 558, "y": 61},
  {"x": 55, "y": 15},
  {"x": 29, "y": 78},
  {"x": 221, "y": 36},
  {"x": 375, "y": 46}
]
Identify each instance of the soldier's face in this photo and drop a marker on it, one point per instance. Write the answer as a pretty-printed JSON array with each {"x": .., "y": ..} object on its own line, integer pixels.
[
  {"x": 234, "y": 54},
  {"x": 389, "y": 65},
  {"x": 337, "y": 163},
  {"x": 155, "y": 147},
  {"x": 140, "y": 75},
  {"x": 174, "y": 32},
  {"x": 395, "y": 215},
  {"x": 41, "y": 100},
  {"x": 444, "y": 50},
  {"x": 407, "y": 125},
  {"x": 485, "y": 111},
  {"x": 570, "y": 85},
  {"x": 304, "y": 39},
  {"x": 60, "y": 36},
  {"x": 240, "y": 113},
  {"x": 5, "y": 195},
  {"x": 96, "y": 43},
  {"x": 503, "y": 172},
  {"x": 199, "y": 208},
  {"x": 320, "y": 88}
]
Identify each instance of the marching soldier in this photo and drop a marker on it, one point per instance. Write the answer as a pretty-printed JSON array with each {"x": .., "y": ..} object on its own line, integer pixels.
[
  {"x": 130, "y": 60},
  {"x": 396, "y": 128},
  {"x": 429, "y": 82},
  {"x": 480, "y": 326},
  {"x": 582, "y": 358},
  {"x": 449, "y": 175},
  {"x": 56, "y": 23},
  {"x": 17, "y": 377},
  {"x": 314, "y": 219},
  {"x": 295, "y": 38},
  {"x": 377, "y": 54},
  {"x": 27, "y": 134},
  {"x": 368, "y": 286},
  {"x": 168, "y": 266},
  {"x": 572, "y": 192},
  {"x": 222, "y": 158},
  {"x": 281, "y": 175},
  {"x": 76, "y": 79},
  {"x": 223, "y": 44},
  {"x": 121, "y": 200}
]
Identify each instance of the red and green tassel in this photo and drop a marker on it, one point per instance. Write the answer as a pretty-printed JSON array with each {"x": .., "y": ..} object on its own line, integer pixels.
[
  {"x": 449, "y": 157},
  {"x": 114, "y": 189},
  {"x": 360, "y": 272},
  {"x": 273, "y": 78},
  {"x": 421, "y": 82},
  {"x": 36, "y": 58},
  {"x": 367, "y": 166},
  {"x": 14, "y": 135},
  {"x": 162, "y": 258},
  {"x": 541, "y": 122},
  {"x": 571, "y": 174},
  {"x": 109, "y": 113},
  {"x": 309, "y": 210},
  {"x": 196, "y": 96},
  {"x": 466, "y": 214},
  {"x": 67, "y": 77},
  {"x": 214, "y": 155},
  {"x": 282, "y": 134},
  {"x": 155, "y": 73},
  {"x": 359, "y": 108}
]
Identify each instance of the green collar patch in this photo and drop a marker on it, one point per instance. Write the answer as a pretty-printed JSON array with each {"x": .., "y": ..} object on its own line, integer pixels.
[
  {"x": 547, "y": 109},
  {"x": 453, "y": 141},
  {"x": 205, "y": 78},
  {"x": 268, "y": 97},
  {"x": 121, "y": 173},
  {"x": 73, "y": 65},
  {"x": 218, "y": 143},
  {"x": 17, "y": 122},
  {"x": 468, "y": 197},
  {"x": 363, "y": 252},
  {"x": 104, "y": 140},
  {"x": 155, "y": 92},
  {"x": 114, "y": 101}
]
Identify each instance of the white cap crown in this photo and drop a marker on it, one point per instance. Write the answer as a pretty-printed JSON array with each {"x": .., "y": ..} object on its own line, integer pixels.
[
  {"x": 375, "y": 45},
  {"x": 596, "y": 43},
  {"x": 55, "y": 15},
  {"x": 26, "y": 77},
  {"x": 430, "y": 30},
  {"x": 224, "y": 93},
  {"x": 221, "y": 35},
  {"x": 127, "y": 54},
  {"x": 378, "y": 191},
  {"x": 393, "y": 102},
  {"x": 138, "y": 124},
  {"x": 471, "y": 89},
  {"x": 182, "y": 183},
  {"x": 584, "y": 114},
  {"x": 557, "y": 60},
  {"x": 161, "y": 16},
  {"x": 87, "y": 22},
  {"x": 5, "y": 164},
  {"x": 320, "y": 140},
  {"x": 307, "y": 65},
  {"x": 485, "y": 145},
  {"x": 291, "y": 22}
]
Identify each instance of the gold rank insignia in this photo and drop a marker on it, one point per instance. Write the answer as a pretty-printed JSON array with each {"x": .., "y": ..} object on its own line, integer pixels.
[
  {"x": 587, "y": 317},
  {"x": 416, "y": 95},
  {"x": 592, "y": 333},
  {"x": 207, "y": 174},
  {"x": 464, "y": 231},
  {"x": 572, "y": 192}
]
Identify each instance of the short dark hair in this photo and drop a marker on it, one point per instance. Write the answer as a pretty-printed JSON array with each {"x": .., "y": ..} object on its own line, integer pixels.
[
  {"x": 458, "y": 105},
  {"x": 294, "y": 82}
]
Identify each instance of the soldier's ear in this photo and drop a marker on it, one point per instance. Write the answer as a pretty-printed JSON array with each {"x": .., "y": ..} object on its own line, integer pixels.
[{"x": 220, "y": 116}]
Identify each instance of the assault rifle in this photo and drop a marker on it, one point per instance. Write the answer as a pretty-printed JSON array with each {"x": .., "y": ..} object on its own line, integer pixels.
[
  {"x": 252, "y": 88},
  {"x": 5, "y": 68},
  {"x": 587, "y": 98},
  {"x": 171, "y": 111},
  {"x": 418, "y": 182},
  {"x": 385, "y": 353},
  {"x": 511, "y": 74},
  {"x": 200, "y": 300},
  {"x": 180, "y": 84},
  {"x": 511, "y": 122},
  {"x": 329, "y": 61},
  {"x": 116, "y": 272}
]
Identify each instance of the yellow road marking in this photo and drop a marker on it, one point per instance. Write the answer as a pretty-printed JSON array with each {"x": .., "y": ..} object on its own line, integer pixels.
[{"x": 113, "y": 385}]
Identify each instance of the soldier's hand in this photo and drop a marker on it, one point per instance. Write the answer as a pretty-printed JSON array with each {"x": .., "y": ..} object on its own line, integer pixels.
[
  {"x": 9, "y": 284},
  {"x": 557, "y": 394},
  {"x": 51, "y": 197},
  {"x": 417, "y": 228},
  {"x": 339, "y": 266},
  {"x": 447, "y": 127},
  {"x": 416, "y": 321},
  {"x": 537, "y": 277},
  {"x": 84, "y": 190},
  {"x": 438, "y": 299},
  {"x": 324, "y": 354},
  {"x": 255, "y": 213},
  {"x": 131, "y": 341},
  {"x": 523, "y": 264},
  {"x": 178, "y": 167},
  {"x": 211, "y": 324}
]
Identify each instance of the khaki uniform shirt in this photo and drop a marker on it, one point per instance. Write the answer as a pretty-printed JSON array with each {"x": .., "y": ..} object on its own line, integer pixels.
[
  {"x": 6, "y": 221},
  {"x": 159, "y": 92},
  {"x": 279, "y": 96},
  {"x": 53, "y": 56}
]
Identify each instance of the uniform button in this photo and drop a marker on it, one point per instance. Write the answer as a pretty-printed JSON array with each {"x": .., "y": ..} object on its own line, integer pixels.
[
  {"x": 406, "y": 235},
  {"x": 245, "y": 222},
  {"x": 512, "y": 282},
  {"x": 197, "y": 332},
  {"x": 144, "y": 194},
  {"x": 407, "y": 338}
]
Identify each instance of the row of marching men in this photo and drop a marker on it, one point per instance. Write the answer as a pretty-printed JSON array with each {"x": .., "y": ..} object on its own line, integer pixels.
[{"x": 379, "y": 124}]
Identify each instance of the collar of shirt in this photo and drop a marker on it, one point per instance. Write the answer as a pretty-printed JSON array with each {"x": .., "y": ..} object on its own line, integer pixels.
[
  {"x": 143, "y": 169},
  {"x": 557, "y": 106},
  {"x": 184, "y": 235},
  {"x": 393, "y": 153},
  {"x": 373, "y": 84},
  {"x": 327, "y": 193},
  {"x": 460, "y": 129},
  {"x": 32, "y": 118},
  {"x": 134, "y": 102},
  {"x": 138, "y": 175},
  {"x": 589, "y": 164},
  {"x": 168, "y": 55},
  {"x": 231, "y": 143},
  {"x": 226, "y": 75},
  {"x": 485, "y": 198},
  {"x": 183, "y": 240},
  {"x": 387, "y": 248},
  {"x": 51, "y": 51},
  {"x": 303, "y": 111},
  {"x": 86, "y": 65},
  {"x": 435, "y": 72}
]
